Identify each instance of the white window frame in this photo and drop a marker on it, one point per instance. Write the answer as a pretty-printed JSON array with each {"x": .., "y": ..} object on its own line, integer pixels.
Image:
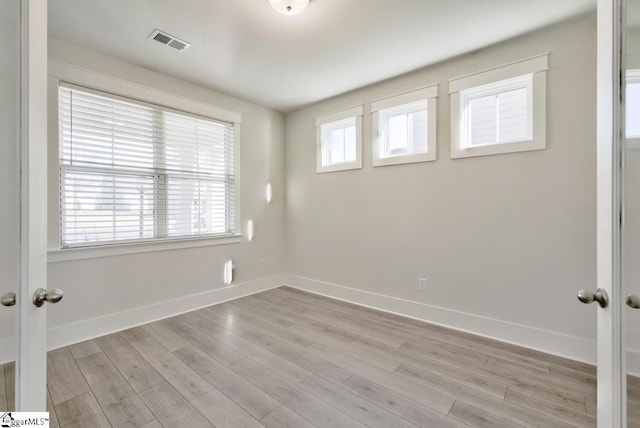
[
  {"x": 61, "y": 72},
  {"x": 404, "y": 103},
  {"x": 337, "y": 119},
  {"x": 536, "y": 67}
]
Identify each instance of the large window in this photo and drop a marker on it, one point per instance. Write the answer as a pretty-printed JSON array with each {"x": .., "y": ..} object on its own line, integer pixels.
[
  {"x": 133, "y": 171},
  {"x": 404, "y": 127},
  {"x": 339, "y": 141},
  {"x": 501, "y": 110}
]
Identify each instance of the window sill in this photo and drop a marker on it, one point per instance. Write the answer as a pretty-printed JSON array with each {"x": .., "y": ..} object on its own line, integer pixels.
[
  {"x": 404, "y": 159},
  {"x": 498, "y": 149},
  {"x": 81, "y": 253},
  {"x": 345, "y": 166}
]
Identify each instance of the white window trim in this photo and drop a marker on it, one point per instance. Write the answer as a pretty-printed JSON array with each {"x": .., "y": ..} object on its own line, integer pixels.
[
  {"x": 119, "y": 249},
  {"x": 537, "y": 66},
  {"x": 356, "y": 112},
  {"x": 428, "y": 94},
  {"x": 61, "y": 72}
]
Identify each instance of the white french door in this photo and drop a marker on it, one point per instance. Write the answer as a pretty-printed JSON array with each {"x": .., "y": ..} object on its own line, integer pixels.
[
  {"x": 618, "y": 212},
  {"x": 23, "y": 40}
]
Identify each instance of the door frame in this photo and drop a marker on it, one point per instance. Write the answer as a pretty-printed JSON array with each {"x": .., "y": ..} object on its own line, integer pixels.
[
  {"x": 31, "y": 360},
  {"x": 611, "y": 363}
]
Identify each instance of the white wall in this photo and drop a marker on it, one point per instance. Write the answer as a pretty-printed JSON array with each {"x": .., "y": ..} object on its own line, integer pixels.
[
  {"x": 108, "y": 293},
  {"x": 504, "y": 241}
]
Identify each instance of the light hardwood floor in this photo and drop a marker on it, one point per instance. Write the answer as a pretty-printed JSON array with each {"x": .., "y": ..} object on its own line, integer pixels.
[{"x": 286, "y": 358}]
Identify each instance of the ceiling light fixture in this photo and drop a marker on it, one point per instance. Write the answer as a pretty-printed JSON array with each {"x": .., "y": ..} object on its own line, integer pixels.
[{"x": 289, "y": 7}]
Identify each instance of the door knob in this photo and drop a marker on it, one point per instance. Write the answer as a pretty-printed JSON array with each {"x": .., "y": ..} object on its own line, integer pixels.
[
  {"x": 41, "y": 295},
  {"x": 633, "y": 301},
  {"x": 8, "y": 299},
  {"x": 600, "y": 296}
]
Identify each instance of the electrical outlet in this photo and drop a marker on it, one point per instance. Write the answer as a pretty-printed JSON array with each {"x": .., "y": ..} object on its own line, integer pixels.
[
  {"x": 263, "y": 264},
  {"x": 422, "y": 284}
]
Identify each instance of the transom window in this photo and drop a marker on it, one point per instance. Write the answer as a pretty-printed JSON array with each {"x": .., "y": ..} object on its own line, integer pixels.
[
  {"x": 134, "y": 171},
  {"x": 501, "y": 110},
  {"x": 339, "y": 141},
  {"x": 498, "y": 113},
  {"x": 404, "y": 128}
]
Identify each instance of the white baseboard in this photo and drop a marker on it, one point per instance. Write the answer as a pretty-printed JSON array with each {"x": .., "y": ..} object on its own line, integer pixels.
[
  {"x": 529, "y": 337},
  {"x": 68, "y": 334},
  {"x": 566, "y": 346}
]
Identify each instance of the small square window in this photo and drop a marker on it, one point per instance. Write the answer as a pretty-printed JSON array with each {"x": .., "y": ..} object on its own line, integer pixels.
[
  {"x": 339, "y": 141},
  {"x": 403, "y": 131},
  {"x": 501, "y": 110},
  {"x": 497, "y": 113},
  {"x": 404, "y": 128}
]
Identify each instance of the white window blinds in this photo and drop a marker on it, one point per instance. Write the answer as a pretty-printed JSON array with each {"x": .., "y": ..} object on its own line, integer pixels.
[{"x": 132, "y": 171}]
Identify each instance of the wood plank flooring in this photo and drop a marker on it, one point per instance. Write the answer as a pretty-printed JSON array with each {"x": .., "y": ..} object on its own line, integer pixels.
[{"x": 286, "y": 358}]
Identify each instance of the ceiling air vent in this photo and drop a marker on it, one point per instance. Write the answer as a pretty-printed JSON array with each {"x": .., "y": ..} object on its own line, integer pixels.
[{"x": 169, "y": 40}]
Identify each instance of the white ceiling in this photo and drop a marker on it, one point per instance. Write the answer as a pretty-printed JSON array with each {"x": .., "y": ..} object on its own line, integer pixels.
[{"x": 244, "y": 48}]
